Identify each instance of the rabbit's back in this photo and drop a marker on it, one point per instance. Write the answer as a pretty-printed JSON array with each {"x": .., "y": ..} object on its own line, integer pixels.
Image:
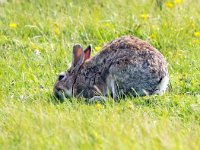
[{"x": 125, "y": 46}]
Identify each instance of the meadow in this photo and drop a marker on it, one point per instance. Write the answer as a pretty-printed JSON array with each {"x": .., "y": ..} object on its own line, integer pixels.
[{"x": 36, "y": 39}]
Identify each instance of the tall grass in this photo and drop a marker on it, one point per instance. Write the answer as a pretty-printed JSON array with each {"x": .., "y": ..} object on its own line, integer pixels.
[{"x": 36, "y": 39}]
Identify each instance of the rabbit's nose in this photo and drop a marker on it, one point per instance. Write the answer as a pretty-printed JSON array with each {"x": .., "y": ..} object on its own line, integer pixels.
[{"x": 58, "y": 95}]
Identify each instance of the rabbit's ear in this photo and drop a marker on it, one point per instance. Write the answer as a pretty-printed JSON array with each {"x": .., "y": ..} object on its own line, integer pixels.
[
  {"x": 78, "y": 55},
  {"x": 87, "y": 53}
]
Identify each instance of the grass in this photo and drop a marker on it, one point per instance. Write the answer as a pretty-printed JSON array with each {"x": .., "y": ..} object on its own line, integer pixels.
[{"x": 36, "y": 39}]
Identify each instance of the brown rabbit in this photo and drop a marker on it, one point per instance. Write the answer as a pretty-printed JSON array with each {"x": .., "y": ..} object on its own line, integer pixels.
[{"x": 124, "y": 65}]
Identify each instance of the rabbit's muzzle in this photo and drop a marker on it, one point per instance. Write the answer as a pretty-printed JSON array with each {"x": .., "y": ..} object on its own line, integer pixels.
[{"x": 58, "y": 93}]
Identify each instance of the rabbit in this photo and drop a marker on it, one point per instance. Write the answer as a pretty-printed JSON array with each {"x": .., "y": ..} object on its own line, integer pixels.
[{"x": 123, "y": 66}]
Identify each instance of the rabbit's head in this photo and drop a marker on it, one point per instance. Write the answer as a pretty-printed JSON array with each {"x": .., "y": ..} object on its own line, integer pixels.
[{"x": 66, "y": 80}]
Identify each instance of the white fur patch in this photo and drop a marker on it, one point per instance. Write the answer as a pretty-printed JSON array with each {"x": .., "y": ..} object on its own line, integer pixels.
[
  {"x": 111, "y": 85},
  {"x": 162, "y": 86},
  {"x": 68, "y": 93},
  {"x": 69, "y": 65}
]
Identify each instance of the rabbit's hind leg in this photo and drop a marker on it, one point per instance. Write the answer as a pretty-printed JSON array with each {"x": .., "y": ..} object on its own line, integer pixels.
[{"x": 96, "y": 99}]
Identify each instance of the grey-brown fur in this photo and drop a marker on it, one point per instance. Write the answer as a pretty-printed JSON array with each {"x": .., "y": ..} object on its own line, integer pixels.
[{"x": 132, "y": 65}]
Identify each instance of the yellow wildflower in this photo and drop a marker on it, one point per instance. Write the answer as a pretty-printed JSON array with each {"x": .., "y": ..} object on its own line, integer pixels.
[
  {"x": 12, "y": 25},
  {"x": 34, "y": 46},
  {"x": 169, "y": 5},
  {"x": 178, "y": 1},
  {"x": 144, "y": 16},
  {"x": 152, "y": 36},
  {"x": 197, "y": 34},
  {"x": 56, "y": 31},
  {"x": 97, "y": 48},
  {"x": 98, "y": 106}
]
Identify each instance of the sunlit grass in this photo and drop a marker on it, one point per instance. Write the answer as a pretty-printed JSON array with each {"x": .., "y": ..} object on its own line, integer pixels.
[{"x": 36, "y": 40}]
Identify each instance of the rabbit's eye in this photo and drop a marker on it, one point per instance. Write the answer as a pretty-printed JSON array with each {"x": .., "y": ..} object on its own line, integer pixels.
[{"x": 60, "y": 77}]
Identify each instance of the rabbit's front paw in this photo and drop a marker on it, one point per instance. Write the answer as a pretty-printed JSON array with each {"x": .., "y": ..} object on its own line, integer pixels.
[{"x": 97, "y": 99}]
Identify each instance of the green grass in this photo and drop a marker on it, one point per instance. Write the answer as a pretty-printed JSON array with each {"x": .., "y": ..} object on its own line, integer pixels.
[{"x": 39, "y": 47}]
